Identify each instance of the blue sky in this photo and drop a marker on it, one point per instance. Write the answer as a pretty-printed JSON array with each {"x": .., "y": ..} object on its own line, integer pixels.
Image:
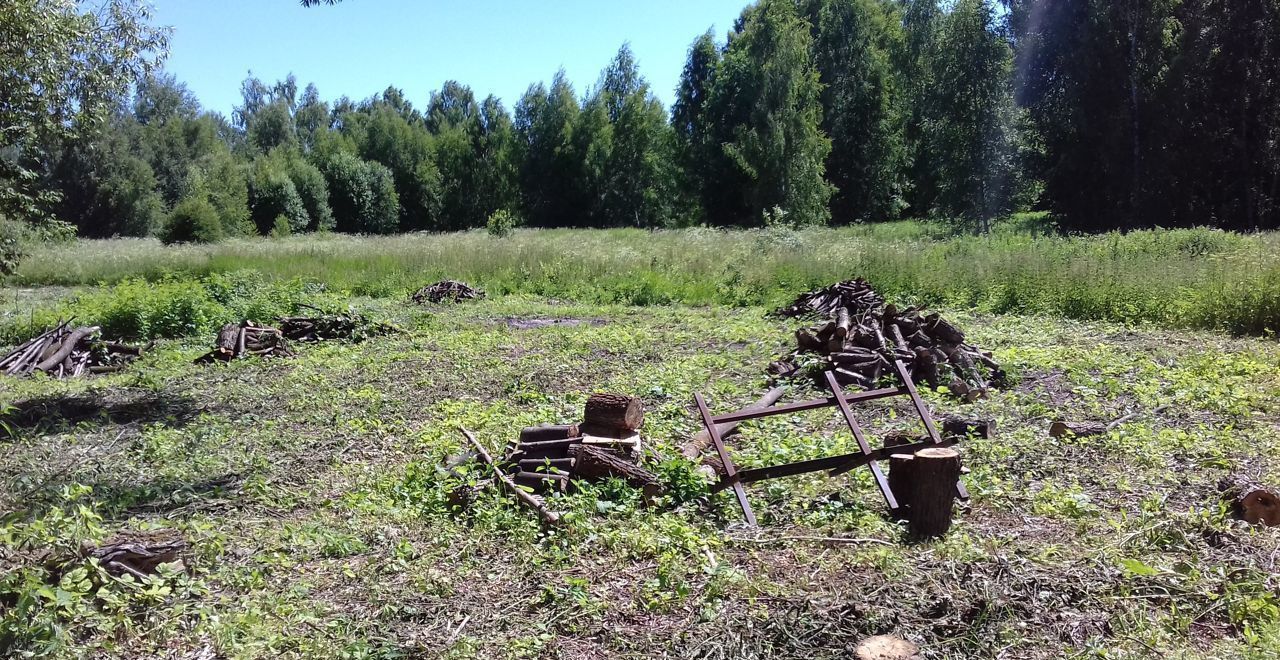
[{"x": 359, "y": 47}]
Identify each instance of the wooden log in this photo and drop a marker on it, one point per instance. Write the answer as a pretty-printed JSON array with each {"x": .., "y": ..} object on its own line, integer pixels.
[
  {"x": 548, "y": 432},
  {"x": 1060, "y": 429},
  {"x": 806, "y": 341},
  {"x": 963, "y": 427},
  {"x": 900, "y": 482},
  {"x": 1250, "y": 501},
  {"x": 545, "y": 464},
  {"x": 934, "y": 472},
  {"x": 617, "y": 412},
  {"x": 548, "y": 448},
  {"x": 516, "y": 491},
  {"x": 702, "y": 439},
  {"x": 843, "y": 323},
  {"x": 594, "y": 463},
  {"x": 64, "y": 351}
]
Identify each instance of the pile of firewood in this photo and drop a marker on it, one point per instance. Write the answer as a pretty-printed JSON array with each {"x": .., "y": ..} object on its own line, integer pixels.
[
  {"x": 552, "y": 458},
  {"x": 861, "y": 336},
  {"x": 237, "y": 340},
  {"x": 64, "y": 352},
  {"x": 446, "y": 291},
  {"x": 323, "y": 326}
]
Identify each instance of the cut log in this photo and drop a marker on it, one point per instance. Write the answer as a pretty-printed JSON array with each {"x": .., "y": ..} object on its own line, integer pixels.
[
  {"x": 900, "y": 482},
  {"x": 64, "y": 351},
  {"x": 1060, "y": 429},
  {"x": 593, "y": 463},
  {"x": 934, "y": 472},
  {"x": 613, "y": 412},
  {"x": 1252, "y": 502},
  {"x": 548, "y": 465},
  {"x": 702, "y": 439},
  {"x": 229, "y": 340},
  {"x": 962, "y": 427},
  {"x": 548, "y": 432},
  {"x": 139, "y": 558}
]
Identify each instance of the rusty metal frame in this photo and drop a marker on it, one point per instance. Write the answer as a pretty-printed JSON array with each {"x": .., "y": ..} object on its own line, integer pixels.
[{"x": 835, "y": 465}]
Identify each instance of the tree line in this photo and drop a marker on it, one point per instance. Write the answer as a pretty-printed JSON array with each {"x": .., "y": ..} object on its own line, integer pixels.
[{"x": 1108, "y": 115}]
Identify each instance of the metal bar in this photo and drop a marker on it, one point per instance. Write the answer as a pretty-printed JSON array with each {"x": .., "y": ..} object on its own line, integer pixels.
[
  {"x": 881, "y": 481},
  {"x": 730, "y": 472},
  {"x": 851, "y": 461},
  {"x": 812, "y": 404},
  {"x": 923, "y": 410}
]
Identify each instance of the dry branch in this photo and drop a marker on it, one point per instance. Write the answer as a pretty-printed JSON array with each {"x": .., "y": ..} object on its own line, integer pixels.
[{"x": 519, "y": 493}]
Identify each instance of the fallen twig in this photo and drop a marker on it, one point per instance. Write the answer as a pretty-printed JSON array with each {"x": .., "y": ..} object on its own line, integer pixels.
[{"x": 525, "y": 498}]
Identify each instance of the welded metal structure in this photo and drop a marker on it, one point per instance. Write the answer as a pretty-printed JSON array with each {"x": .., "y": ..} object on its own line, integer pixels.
[{"x": 835, "y": 465}]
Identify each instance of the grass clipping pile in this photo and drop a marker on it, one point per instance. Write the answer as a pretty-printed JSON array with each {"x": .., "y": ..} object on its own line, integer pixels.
[
  {"x": 64, "y": 352},
  {"x": 551, "y": 459},
  {"x": 861, "y": 334}
]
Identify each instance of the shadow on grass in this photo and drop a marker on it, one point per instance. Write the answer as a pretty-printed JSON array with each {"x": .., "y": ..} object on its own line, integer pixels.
[{"x": 54, "y": 414}]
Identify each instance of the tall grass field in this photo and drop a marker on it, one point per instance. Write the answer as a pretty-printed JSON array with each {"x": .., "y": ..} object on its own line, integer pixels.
[{"x": 1198, "y": 278}]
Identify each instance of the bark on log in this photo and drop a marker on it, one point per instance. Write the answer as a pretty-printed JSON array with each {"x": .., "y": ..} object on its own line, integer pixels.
[
  {"x": 548, "y": 432},
  {"x": 962, "y": 427},
  {"x": 138, "y": 558},
  {"x": 617, "y": 412},
  {"x": 1061, "y": 429},
  {"x": 595, "y": 463},
  {"x": 900, "y": 481},
  {"x": 702, "y": 439},
  {"x": 1252, "y": 502},
  {"x": 64, "y": 351},
  {"x": 934, "y": 472}
]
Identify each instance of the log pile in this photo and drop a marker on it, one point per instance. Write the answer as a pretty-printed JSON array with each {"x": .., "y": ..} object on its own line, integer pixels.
[
  {"x": 237, "y": 340},
  {"x": 323, "y": 326},
  {"x": 552, "y": 458},
  {"x": 861, "y": 335},
  {"x": 446, "y": 291},
  {"x": 66, "y": 352}
]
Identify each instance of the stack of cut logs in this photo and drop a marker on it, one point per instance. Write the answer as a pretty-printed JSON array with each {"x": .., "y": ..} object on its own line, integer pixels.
[
  {"x": 246, "y": 338},
  {"x": 547, "y": 458},
  {"x": 327, "y": 326},
  {"x": 446, "y": 291},
  {"x": 64, "y": 352},
  {"x": 861, "y": 336}
]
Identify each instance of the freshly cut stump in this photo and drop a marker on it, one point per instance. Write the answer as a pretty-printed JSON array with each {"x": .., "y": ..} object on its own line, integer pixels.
[
  {"x": 1251, "y": 501},
  {"x": 924, "y": 485},
  {"x": 886, "y": 647}
]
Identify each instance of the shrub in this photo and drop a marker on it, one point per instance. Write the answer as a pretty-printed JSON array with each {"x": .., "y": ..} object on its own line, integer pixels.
[
  {"x": 281, "y": 227},
  {"x": 193, "y": 220},
  {"x": 362, "y": 195},
  {"x": 273, "y": 194},
  {"x": 501, "y": 223}
]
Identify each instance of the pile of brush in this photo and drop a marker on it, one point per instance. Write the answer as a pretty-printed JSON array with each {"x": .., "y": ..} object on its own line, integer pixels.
[
  {"x": 861, "y": 337},
  {"x": 324, "y": 325},
  {"x": 237, "y": 340},
  {"x": 66, "y": 352},
  {"x": 446, "y": 291}
]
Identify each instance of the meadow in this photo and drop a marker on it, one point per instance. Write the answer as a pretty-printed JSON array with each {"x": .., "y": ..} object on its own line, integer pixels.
[
  {"x": 1196, "y": 279},
  {"x": 312, "y": 493}
]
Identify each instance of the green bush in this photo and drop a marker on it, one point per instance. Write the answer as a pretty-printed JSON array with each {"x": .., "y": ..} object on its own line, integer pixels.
[
  {"x": 193, "y": 220},
  {"x": 280, "y": 228},
  {"x": 502, "y": 223},
  {"x": 272, "y": 194}
]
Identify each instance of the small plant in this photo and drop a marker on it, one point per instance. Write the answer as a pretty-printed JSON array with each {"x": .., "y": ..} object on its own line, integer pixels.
[
  {"x": 281, "y": 228},
  {"x": 502, "y": 223}
]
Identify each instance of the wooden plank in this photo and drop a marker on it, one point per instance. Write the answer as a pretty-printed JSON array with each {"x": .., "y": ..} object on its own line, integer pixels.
[
  {"x": 730, "y": 472},
  {"x": 881, "y": 480}
]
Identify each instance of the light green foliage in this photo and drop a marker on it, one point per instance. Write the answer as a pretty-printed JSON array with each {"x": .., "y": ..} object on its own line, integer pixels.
[
  {"x": 280, "y": 228},
  {"x": 502, "y": 223},
  {"x": 767, "y": 115},
  {"x": 193, "y": 220}
]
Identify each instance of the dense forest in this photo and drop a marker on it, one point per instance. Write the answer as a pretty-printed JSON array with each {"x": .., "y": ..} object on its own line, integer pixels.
[{"x": 1106, "y": 114}]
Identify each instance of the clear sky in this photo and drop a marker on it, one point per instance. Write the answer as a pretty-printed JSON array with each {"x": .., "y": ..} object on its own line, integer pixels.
[{"x": 359, "y": 47}]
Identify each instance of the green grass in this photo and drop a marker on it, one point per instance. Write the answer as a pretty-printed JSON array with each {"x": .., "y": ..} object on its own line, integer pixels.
[
  {"x": 310, "y": 491},
  {"x": 1200, "y": 279}
]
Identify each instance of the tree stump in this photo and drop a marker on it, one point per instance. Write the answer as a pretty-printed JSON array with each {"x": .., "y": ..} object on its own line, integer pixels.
[
  {"x": 1251, "y": 501},
  {"x": 886, "y": 647},
  {"x": 607, "y": 414},
  {"x": 925, "y": 485}
]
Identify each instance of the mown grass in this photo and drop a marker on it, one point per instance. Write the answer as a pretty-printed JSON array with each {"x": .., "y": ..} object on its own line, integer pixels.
[
  {"x": 312, "y": 494},
  {"x": 1202, "y": 279}
]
